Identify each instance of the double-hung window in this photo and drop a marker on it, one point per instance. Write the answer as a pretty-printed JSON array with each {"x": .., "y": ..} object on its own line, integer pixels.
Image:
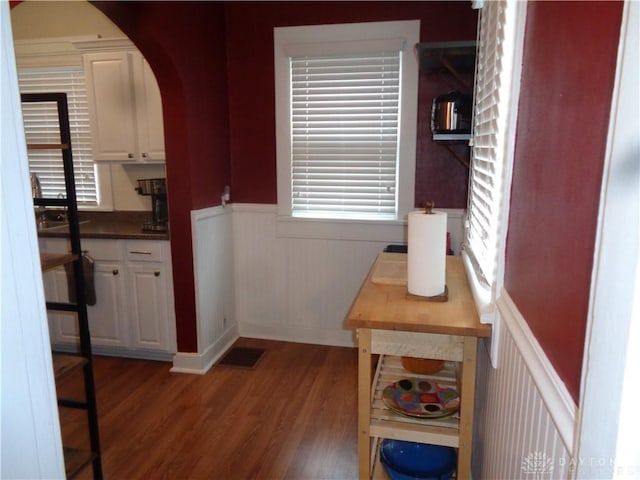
[
  {"x": 41, "y": 126},
  {"x": 346, "y": 103}
]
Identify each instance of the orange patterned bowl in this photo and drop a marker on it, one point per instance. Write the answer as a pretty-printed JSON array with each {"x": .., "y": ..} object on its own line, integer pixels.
[{"x": 423, "y": 366}]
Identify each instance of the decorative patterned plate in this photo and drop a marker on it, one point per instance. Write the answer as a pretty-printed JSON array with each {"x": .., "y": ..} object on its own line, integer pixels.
[{"x": 416, "y": 397}]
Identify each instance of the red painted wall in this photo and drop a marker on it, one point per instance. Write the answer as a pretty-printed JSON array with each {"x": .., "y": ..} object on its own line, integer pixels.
[
  {"x": 214, "y": 65},
  {"x": 569, "y": 65},
  {"x": 250, "y": 25}
]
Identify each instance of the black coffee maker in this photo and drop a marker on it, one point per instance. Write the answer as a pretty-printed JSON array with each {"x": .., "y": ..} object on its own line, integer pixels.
[{"x": 157, "y": 189}]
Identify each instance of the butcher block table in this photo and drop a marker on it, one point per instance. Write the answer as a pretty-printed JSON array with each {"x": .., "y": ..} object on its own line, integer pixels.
[{"x": 393, "y": 324}]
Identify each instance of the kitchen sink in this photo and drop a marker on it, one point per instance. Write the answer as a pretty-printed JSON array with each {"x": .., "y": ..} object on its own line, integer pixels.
[
  {"x": 49, "y": 219},
  {"x": 55, "y": 224}
]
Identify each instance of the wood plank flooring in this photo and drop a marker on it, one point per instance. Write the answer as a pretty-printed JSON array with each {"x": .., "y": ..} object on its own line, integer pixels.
[{"x": 293, "y": 417}]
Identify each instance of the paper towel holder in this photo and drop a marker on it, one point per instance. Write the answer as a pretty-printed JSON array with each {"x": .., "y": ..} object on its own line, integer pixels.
[
  {"x": 428, "y": 207},
  {"x": 444, "y": 296}
]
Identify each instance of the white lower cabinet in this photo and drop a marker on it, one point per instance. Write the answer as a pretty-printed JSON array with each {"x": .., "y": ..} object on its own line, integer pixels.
[
  {"x": 134, "y": 313},
  {"x": 107, "y": 320},
  {"x": 150, "y": 306}
]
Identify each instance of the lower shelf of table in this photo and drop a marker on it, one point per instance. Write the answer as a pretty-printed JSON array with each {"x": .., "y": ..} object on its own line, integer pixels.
[
  {"x": 385, "y": 423},
  {"x": 378, "y": 471}
]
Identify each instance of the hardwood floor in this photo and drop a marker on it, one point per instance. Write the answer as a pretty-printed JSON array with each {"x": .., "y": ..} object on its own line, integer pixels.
[{"x": 293, "y": 417}]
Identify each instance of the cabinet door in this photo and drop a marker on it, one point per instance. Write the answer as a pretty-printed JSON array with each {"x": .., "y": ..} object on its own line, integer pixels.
[
  {"x": 111, "y": 106},
  {"x": 148, "y": 306},
  {"x": 106, "y": 316},
  {"x": 63, "y": 326},
  {"x": 148, "y": 111}
]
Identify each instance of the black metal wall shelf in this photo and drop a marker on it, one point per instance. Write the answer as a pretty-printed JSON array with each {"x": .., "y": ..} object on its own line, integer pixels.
[
  {"x": 452, "y": 137},
  {"x": 453, "y": 58}
]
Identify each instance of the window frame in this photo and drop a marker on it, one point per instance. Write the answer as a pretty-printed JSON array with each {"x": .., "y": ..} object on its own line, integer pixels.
[
  {"x": 329, "y": 37},
  {"x": 485, "y": 292},
  {"x": 47, "y": 80}
]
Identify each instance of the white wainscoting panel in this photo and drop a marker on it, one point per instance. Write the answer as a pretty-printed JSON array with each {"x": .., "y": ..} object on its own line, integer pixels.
[
  {"x": 259, "y": 264},
  {"x": 294, "y": 287},
  {"x": 285, "y": 279},
  {"x": 212, "y": 235},
  {"x": 323, "y": 278},
  {"x": 522, "y": 411}
]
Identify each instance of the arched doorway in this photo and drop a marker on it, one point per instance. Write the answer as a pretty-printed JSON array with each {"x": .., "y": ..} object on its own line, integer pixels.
[{"x": 44, "y": 30}]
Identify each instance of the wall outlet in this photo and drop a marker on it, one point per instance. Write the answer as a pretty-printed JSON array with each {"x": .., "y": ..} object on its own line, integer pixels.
[{"x": 226, "y": 195}]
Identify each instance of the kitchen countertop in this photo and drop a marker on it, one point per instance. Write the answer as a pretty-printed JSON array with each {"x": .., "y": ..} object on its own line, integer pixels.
[{"x": 115, "y": 225}]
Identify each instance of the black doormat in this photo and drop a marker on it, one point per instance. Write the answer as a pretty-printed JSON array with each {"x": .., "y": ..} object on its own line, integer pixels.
[{"x": 241, "y": 357}]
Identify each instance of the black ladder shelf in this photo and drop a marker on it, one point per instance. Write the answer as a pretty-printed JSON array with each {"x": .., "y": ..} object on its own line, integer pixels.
[{"x": 64, "y": 364}]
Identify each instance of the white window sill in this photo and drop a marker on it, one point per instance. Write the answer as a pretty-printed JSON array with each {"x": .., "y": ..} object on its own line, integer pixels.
[
  {"x": 482, "y": 293},
  {"x": 337, "y": 229}
]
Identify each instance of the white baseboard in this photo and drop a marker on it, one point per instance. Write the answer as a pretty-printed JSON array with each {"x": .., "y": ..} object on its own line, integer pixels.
[
  {"x": 101, "y": 350},
  {"x": 200, "y": 363},
  {"x": 298, "y": 334}
]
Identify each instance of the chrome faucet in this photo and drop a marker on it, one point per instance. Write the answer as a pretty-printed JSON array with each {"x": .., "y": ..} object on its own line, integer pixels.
[{"x": 36, "y": 188}]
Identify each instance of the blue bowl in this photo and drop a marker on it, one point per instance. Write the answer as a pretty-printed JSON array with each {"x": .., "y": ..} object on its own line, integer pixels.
[
  {"x": 395, "y": 475},
  {"x": 417, "y": 461}
]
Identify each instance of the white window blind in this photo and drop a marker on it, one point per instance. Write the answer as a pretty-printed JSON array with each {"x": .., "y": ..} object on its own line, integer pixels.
[
  {"x": 487, "y": 164},
  {"x": 41, "y": 126},
  {"x": 344, "y": 129}
]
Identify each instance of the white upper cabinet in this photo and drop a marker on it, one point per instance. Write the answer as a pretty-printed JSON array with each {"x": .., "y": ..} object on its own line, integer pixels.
[
  {"x": 148, "y": 110},
  {"x": 125, "y": 108}
]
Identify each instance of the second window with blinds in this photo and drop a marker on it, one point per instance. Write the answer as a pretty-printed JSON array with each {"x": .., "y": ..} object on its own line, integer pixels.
[
  {"x": 41, "y": 126},
  {"x": 497, "y": 87},
  {"x": 346, "y": 103}
]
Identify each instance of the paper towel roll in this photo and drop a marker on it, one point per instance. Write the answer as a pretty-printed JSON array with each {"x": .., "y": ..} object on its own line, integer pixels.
[{"x": 426, "y": 253}]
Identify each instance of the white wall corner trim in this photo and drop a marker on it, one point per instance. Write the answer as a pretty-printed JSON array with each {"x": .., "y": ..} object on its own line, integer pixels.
[
  {"x": 29, "y": 426},
  {"x": 613, "y": 335},
  {"x": 552, "y": 389}
]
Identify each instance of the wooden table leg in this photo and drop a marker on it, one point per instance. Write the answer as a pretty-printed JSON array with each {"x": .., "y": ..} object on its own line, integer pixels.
[
  {"x": 364, "y": 403},
  {"x": 467, "y": 395}
]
